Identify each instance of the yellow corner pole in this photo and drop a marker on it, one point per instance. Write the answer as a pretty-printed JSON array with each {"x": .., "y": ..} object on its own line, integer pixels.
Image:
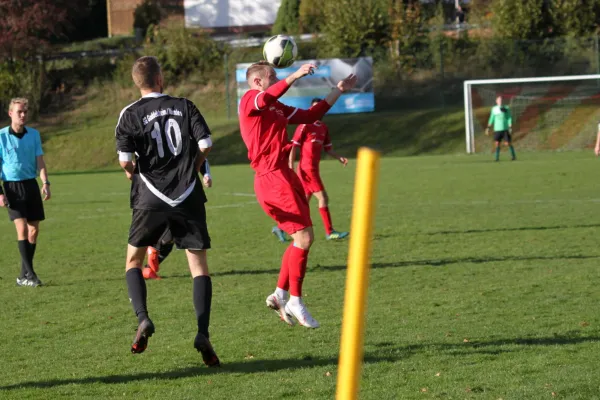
[{"x": 357, "y": 278}]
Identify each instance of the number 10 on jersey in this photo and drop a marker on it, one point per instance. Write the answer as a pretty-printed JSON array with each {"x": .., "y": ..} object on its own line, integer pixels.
[{"x": 171, "y": 129}]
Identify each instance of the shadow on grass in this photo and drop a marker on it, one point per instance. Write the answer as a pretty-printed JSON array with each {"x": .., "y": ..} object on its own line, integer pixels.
[
  {"x": 490, "y": 347},
  {"x": 524, "y": 228},
  {"x": 254, "y": 366}
]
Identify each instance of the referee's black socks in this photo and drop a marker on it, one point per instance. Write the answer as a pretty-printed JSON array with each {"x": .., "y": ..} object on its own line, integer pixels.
[
  {"x": 136, "y": 286},
  {"x": 202, "y": 293},
  {"x": 27, "y": 250}
]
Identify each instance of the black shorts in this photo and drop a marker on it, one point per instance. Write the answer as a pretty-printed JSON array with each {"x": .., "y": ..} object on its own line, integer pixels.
[
  {"x": 502, "y": 136},
  {"x": 187, "y": 226},
  {"x": 24, "y": 200}
]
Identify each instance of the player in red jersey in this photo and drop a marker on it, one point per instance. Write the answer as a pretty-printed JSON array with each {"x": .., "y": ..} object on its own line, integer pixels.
[
  {"x": 312, "y": 139},
  {"x": 263, "y": 122}
]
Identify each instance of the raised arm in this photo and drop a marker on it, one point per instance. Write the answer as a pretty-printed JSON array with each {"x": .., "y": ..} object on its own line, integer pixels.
[
  {"x": 317, "y": 111},
  {"x": 275, "y": 91}
]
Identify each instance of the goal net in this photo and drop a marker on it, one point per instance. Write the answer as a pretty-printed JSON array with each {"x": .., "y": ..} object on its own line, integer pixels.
[{"x": 554, "y": 113}]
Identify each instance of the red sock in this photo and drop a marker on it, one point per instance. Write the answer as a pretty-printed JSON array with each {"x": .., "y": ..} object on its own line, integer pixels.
[
  {"x": 326, "y": 215},
  {"x": 297, "y": 260},
  {"x": 284, "y": 273}
]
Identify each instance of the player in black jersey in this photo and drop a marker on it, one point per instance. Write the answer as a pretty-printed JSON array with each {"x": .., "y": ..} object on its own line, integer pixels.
[
  {"x": 168, "y": 138},
  {"x": 159, "y": 252}
]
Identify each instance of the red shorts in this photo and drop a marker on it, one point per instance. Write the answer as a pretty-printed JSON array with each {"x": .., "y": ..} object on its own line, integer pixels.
[
  {"x": 282, "y": 197},
  {"x": 311, "y": 180}
]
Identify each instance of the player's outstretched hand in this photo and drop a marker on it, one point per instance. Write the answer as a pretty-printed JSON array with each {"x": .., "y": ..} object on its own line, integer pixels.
[
  {"x": 46, "y": 192},
  {"x": 597, "y": 150},
  {"x": 304, "y": 70},
  {"x": 3, "y": 201},
  {"x": 344, "y": 161},
  {"x": 347, "y": 83},
  {"x": 129, "y": 175},
  {"x": 207, "y": 181},
  {"x": 487, "y": 132}
]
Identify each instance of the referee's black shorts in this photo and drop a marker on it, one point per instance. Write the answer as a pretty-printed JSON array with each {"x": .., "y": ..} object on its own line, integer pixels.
[
  {"x": 24, "y": 200},
  {"x": 187, "y": 226},
  {"x": 502, "y": 136}
]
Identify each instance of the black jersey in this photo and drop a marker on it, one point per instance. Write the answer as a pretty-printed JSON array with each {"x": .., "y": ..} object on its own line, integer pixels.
[{"x": 164, "y": 133}]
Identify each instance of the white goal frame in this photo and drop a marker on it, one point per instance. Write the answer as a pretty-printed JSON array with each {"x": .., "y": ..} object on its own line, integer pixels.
[{"x": 468, "y": 85}]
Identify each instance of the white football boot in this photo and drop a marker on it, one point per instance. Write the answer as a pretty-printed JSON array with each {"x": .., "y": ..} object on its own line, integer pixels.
[
  {"x": 300, "y": 312},
  {"x": 277, "y": 304}
]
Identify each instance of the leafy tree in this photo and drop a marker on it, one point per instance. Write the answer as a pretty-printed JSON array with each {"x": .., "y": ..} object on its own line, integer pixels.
[
  {"x": 353, "y": 27},
  {"x": 146, "y": 14},
  {"x": 183, "y": 52},
  {"x": 405, "y": 33},
  {"x": 28, "y": 25},
  {"x": 311, "y": 18},
  {"x": 574, "y": 17},
  {"x": 287, "y": 18},
  {"x": 519, "y": 19}
]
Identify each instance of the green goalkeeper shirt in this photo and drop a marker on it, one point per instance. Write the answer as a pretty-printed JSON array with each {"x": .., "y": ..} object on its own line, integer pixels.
[{"x": 501, "y": 118}]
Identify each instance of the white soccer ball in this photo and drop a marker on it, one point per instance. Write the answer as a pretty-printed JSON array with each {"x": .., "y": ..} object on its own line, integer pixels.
[{"x": 280, "y": 51}]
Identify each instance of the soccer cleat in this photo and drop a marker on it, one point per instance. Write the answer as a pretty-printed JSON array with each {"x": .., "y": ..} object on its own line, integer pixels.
[
  {"x": 35, "y": 281},
  {"x": 335, "y": 235},
  {"x": 144, "y": 331},
  {"x": 153, "y": 259},
  {"x": 202, "y": 344},
  {"x": 149, "y": 273},
  {"x": 279, "y": 233},
  {"x": 30, "y": 282},
  {"x": 277, "y": 304},
  {"x": 300, "y": 312}
]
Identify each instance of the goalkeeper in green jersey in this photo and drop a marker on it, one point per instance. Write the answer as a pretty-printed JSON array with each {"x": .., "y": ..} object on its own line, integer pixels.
[{"x": 501, "y": 120}]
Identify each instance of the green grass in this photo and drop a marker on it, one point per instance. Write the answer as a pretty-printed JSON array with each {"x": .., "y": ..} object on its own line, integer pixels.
[{"x": 484, "y": 286}]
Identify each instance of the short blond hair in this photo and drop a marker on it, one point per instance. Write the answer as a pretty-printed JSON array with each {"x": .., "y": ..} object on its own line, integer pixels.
[
  {"x": 259, "y": 68},
  {"x": 145, "y": 72},
  {"x": 18, "y": 100}
]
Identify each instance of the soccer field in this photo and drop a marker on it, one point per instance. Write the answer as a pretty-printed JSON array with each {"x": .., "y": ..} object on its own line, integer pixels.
[{"x": 484, "y": 285}]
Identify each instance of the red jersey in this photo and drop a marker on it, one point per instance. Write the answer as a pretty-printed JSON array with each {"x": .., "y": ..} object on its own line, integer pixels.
[
  {"x": 312, "y": 139},
  {"x": 263, "y": 122}
]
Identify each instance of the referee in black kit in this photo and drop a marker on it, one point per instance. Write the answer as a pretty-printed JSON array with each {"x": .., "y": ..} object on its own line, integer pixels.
[
  {"x": 168, "y": 137},
  {"x": 21, "y": 157}
]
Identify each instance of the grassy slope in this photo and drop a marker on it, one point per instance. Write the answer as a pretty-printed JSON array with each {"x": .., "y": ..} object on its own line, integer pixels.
[
  {"x": 81, "y": 136},
  {"x": 484, "y": 286}
]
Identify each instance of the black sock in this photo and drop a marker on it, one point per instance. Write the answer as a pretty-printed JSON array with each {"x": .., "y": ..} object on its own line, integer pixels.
[
  {"x": 136, "y": 286},
  {"x": 31, "y": 248},
  {"x": 26, "y": 267},
  {"x": 202, "y": 300},
  {"x": 164, "y": 249},
  {"x": 23, "y": 274}
]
